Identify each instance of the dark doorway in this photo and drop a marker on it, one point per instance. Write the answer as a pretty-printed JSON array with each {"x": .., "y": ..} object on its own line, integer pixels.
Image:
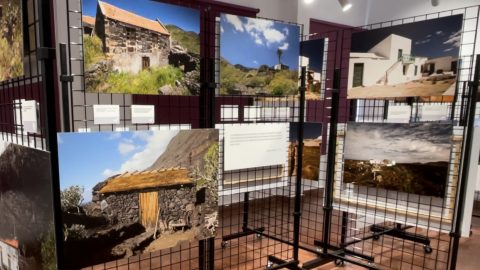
[
  {"x": 358, "y": 74},
  {"x": 145, "y": 62}
]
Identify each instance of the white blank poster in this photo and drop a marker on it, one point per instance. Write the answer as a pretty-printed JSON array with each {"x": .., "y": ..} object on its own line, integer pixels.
[{"x": 255, "y": 145}]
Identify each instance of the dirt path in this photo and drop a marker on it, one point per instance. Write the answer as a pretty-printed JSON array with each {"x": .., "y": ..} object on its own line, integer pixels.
[{"x": 171, "y": 240}]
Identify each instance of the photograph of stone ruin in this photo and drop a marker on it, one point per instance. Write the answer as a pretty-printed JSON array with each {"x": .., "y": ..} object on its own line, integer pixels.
[
  {"x": 130, "y": 48},
  {"x": 11, "y": 39},
  {"x": 410, "y": 158},
  {"x": 153, "y": 206},
  {"x": 312, "y": 147},
  {"x": 417, "y": 59},
  {"x": 27, "y": 240}
]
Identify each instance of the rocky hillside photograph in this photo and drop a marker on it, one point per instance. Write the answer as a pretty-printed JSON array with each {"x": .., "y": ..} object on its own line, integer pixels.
[
  {"x": 131, "y": 193},
  {"x": 26, "y": 206},
  {"x": 411, "y": 158},
  {"x": 266, "y": 63},
  {"x": 141, "y": 47}
]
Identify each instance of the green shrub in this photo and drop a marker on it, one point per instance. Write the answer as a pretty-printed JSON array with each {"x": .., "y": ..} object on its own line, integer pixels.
[
  {"x": 92, "y": 46},
  {"x": 282, "y": 85},
  {"x": 49, "y": 261},
  {"x": 147, "y": 81}
]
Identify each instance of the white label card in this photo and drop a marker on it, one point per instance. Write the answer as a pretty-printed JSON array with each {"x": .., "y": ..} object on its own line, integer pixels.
[
  {"x": 436, "y": 112},
  {"x": 143, "y": 114},
  {"x": 106, "y": 114},
  {"x": 255, "y": 145},
  {"x": 399, "y": 114}
]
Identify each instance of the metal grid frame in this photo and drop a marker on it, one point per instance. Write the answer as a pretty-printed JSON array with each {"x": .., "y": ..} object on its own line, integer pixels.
[{"x": 373, "y": 228}]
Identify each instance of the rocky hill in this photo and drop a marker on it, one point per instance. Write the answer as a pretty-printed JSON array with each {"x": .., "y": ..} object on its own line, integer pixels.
[
  {"x": 187, "y": 149},
  {"x": 187, "y": 39}
]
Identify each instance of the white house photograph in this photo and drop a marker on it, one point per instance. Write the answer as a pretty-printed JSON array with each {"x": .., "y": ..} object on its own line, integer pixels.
[{"x": 416, "y": 59}]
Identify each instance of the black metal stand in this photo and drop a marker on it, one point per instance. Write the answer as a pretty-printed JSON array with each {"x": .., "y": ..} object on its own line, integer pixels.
[
  {"x": 246, "y": 231},
  {"x": 398, "y": 231}
]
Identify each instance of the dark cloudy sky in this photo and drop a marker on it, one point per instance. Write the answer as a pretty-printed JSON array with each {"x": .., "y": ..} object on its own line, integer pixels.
[
  {"x": 430, "y": 38},
  {"x": 314, "y": 50},
  {"x": 404, "y": 143},
  {"x": 310, "y": 131}
]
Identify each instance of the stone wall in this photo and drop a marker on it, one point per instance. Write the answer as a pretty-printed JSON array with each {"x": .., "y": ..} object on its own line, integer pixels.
[
  {"x": 177, "y": 206},
  {"x": 121, "y": 208},
  {"x": 122, "y": 39},
  {"x": 132, "y": 62}
]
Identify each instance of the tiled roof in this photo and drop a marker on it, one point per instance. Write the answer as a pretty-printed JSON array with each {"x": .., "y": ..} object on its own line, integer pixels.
[
  {"x": 128, "y": 17},
  {"x": 11, "y": 242},
  {"x": 88, "y": 20},
  {"x": 134, "y": 181}
]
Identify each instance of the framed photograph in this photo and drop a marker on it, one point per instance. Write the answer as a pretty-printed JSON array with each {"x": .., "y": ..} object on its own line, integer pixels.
[
  {"x": 408, "y": 172},
  {"x": 27, "y": 234},
  {"x": 141, "y": 47},
  {"x": 410, "y": 158},
  {"x": 129, "y": 193},
  {"x": 417, "y": 59},
  {"x": 267, "y": 61},
  {"x": 312, "y": 145},
  {"x": 314, "y": 57}
]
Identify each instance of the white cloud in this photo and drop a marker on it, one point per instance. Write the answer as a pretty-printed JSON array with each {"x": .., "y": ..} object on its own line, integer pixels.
[
  {"x": 419, "y": 42},
  {"x": 156, "y": 144},
  {"x": 108, "y": 173},
  {"x": 438, "y": 33},
  {"x": 235, "y": 22},
  {"x": 255, "y": 62},
  {"x": 115, "y": 136},
  {"x": 59, "y": 140},
  {"x": 263, "y": 32},
  {"x": 286, "y": 31},
  {"x": 126, "y": 148},
  {"x": 284, "y": 47},
  {"x": 221, "y": 29},
  {"x": 273, "y": 36},
  {"x": 448, "y": 49},
  {"x": 454, "y": 39}
]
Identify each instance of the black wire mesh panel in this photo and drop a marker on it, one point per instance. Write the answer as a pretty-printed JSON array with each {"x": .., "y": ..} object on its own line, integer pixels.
[
  {"x": 171, "y": 113},
  {"x": 25, "y": 87},
  {"x": 402, "y": 230},
  {"x": 256, "y": 202}
]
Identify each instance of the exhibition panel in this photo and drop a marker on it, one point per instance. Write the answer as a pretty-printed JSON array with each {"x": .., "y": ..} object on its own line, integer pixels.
[{"x": 196, "y": 135}]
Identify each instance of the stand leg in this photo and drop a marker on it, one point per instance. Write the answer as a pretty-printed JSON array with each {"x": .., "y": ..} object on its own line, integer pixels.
[
  {"x": 400, "y": 232},
  {"x": 246, "y": 231}
]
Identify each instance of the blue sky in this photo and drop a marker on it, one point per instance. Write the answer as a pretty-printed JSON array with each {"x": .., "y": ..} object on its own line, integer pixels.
[
  {"x": 89, "y": 158},
  {"x": 253, "y": 42},
  {"x": 430, "y": 38},
  {"x": 185, "y": 18},
  {"x": 314, "y": 49}
]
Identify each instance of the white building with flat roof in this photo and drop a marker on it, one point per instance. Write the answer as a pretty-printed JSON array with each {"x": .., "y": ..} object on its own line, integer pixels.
[{"x": 388, "y": 63}]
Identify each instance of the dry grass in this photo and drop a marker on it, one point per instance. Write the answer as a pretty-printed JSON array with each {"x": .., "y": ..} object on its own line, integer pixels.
[{"x": 147, "y": 180}]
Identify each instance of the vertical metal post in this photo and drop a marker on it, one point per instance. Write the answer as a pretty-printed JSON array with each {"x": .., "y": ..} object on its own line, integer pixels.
[
  {"x": 65, "y": 79},
  {"x": 298, "y": 184},
  {"x": 332, "y": 148},
  {"x": 466, "y": 152},
  {"x": 46, "y": 54},
  {"x": 246, "y": 201}
]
